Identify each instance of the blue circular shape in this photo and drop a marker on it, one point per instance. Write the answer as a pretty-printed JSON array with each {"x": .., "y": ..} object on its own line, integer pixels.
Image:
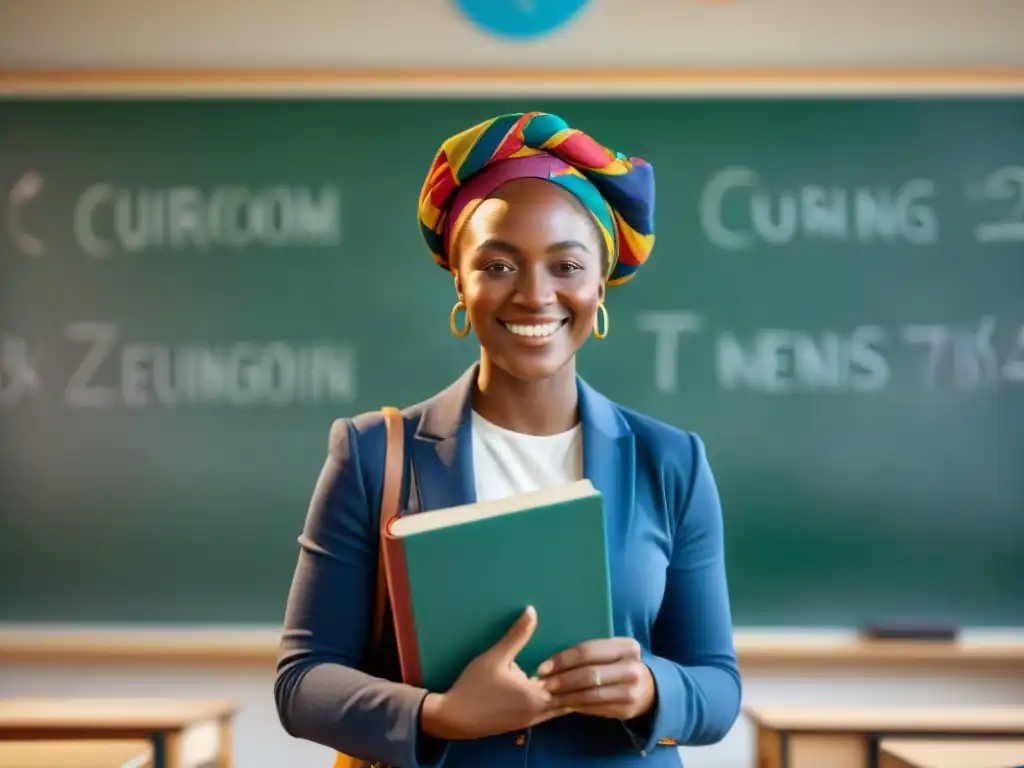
[{"x": 520, "y": 19}]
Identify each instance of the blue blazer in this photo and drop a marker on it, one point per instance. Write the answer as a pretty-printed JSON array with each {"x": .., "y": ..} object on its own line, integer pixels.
[{"x": 668, "y": 578}]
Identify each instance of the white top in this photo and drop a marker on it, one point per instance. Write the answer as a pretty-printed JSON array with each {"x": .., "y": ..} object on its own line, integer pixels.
[{"x": 506, "y": 463}]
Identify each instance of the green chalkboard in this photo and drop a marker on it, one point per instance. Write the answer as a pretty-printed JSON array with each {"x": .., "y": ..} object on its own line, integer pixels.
[{"x": 192, "y": 290}]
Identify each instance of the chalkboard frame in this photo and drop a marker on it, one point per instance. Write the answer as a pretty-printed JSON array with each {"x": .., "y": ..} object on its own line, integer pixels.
[{"x": 642, "y": 83}]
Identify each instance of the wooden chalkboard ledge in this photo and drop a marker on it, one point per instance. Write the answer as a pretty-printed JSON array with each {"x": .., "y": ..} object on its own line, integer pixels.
[
  {"x": 422, "y": 83},
  {"x": 257, "y": 647}
]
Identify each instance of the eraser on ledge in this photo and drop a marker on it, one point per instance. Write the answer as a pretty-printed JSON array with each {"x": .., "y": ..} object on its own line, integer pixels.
[{"x": 896, "y": 630}]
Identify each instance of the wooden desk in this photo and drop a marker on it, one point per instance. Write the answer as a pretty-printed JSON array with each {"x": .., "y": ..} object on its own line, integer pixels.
[
  {"x": 849, "y": 738},
  {"x": 185, "y": 733},
  {"x": 956, "y": 753},
  {"x": 76, "y": 754}
]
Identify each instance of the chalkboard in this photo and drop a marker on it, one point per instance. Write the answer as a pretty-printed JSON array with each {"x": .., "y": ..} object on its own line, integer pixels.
[{"x": 192, "y": 290}]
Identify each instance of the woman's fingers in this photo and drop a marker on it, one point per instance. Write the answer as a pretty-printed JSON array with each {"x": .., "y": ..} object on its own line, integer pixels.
[
  {"x": 591, "y": 652},
  {"x": 592, "y": 676}
]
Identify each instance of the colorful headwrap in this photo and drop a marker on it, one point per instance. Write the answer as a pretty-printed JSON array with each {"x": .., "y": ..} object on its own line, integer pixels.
[{"x": 617, "y": 190}]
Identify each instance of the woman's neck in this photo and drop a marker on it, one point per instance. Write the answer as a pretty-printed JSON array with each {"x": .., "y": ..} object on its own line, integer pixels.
[{"x": 544, "y": 407}]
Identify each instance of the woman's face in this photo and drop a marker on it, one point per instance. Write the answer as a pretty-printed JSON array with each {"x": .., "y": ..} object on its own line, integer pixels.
[{"x": 531, "y": 273}]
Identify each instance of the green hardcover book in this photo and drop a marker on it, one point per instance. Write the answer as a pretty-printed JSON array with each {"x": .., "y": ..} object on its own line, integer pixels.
[{"x": 459, "y": 577}]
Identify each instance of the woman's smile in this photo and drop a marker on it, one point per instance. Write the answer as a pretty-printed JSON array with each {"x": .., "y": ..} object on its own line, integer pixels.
[{"x": 535, "y": 332}]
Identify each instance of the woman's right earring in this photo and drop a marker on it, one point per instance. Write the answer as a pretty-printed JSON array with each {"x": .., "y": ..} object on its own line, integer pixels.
[
  {"x": 453, "y": 320},
  {"x": 601, "y": 322}
]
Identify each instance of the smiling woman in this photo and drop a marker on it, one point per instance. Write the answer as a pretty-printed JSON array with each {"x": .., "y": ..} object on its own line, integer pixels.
[{"x": 534, "y": 220}]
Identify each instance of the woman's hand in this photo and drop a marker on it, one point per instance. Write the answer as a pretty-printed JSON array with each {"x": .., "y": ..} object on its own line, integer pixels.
[
  {"x": 492, "y": 695},
  {"x": 605, "y": 678}
]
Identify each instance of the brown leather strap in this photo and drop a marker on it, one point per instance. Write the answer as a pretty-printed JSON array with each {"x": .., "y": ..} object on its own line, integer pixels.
[{"x": 390, "y": 503}]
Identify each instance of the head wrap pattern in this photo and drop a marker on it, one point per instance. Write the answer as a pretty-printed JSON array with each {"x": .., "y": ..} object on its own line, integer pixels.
[{"x": 617, "y": 190}]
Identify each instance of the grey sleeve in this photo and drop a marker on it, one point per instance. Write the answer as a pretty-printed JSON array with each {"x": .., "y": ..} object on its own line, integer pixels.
[{"x": 321, "y": 694}]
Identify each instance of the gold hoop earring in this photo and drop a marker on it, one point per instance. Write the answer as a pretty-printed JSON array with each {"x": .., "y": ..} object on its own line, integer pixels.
[
  {"x": 460, "y": 305},
  {"x": 601, "y": 322}
]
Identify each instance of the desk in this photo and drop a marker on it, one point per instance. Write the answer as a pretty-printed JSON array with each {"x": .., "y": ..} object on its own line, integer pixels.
[
  {"x": 958, "y": 753},
  {"x": 184, "y": 732},
  {"x": 804, "y": 668},
  {"x": 849, "y": 738},
  {"x": 77, "y": 754}
]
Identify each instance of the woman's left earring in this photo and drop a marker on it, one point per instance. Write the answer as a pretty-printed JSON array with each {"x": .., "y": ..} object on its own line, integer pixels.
[{"x": 453, "y": 320}]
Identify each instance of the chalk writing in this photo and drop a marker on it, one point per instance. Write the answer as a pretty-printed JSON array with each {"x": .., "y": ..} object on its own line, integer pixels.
[
  {"x": 1005, "y": 188},
  {"x": 109, "y": 219},
  {"x": 776, "y": 360},
  {"x": 23, "y": 192},
  {"x": 19, "y": 374},
  {"x": 113, "y": 373},
  {"x": 781, "y": 361},
  {"x": 967, "y": 357},
  {"x": 739, "y": 210},
  {"x": 668, "y": 328}
]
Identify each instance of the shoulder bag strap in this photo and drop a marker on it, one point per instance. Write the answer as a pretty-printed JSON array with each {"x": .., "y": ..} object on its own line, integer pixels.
[{"x": 390, "y": 503}]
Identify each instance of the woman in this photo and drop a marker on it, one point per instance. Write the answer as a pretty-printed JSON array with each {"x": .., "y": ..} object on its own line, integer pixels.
[{"x": 533, "y": 220}]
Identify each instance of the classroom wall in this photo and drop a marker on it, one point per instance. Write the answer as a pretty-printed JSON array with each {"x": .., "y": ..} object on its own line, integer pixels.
[{"x": 430, "y": 33}]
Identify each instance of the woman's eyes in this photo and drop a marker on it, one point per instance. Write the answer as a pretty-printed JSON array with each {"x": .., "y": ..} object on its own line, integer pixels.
[
  {"x": 558, "y": 268},
  {"x": 497, "y": 268}
]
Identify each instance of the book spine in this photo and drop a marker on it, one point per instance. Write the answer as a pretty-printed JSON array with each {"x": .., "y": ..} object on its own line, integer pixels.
[{"x": 400, "y": 594}]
